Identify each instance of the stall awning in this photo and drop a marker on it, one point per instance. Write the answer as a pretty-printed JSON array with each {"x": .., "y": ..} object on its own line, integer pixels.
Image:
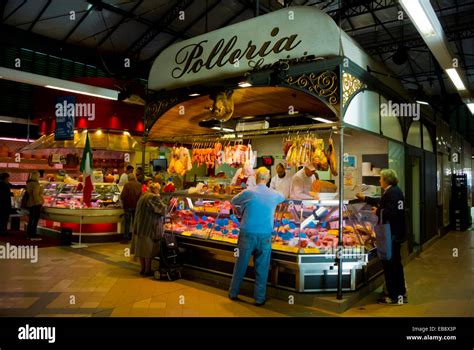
[
  {"x": 291, "y": 33},
  {"x": 100, "y": 140}
]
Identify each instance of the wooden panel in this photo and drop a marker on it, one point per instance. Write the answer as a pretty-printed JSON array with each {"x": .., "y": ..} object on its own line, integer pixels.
[{"x": 247, "y": 102}]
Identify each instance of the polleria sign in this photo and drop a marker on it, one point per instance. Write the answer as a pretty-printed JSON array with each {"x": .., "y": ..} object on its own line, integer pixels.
[{"x": 192, "y": 58}]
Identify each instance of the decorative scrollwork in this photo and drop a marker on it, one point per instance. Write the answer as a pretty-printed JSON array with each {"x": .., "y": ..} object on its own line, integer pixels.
[
  {"x": 324, "y": 84},
  {"x": 156, "y": 108},
  {"x": 350, "y": 85}
]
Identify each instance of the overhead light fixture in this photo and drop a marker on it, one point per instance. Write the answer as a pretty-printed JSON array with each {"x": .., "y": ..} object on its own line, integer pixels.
[
  {"x": 57, "y": 84},
  {"x": 15, "y": 139},
  {"x": 471, "y": 107},
  {"x": 456, "y": 79},
  {"x": 422, "y": 102},
  {"x": 80, "y": 92},
  {"x": 5, "y": 121},
  {"x": 419, "y": 16},
  {"x": 322, "y": 120},
  {"x": 194, "y": 94},
  {"x": 223, "y": 129},
  {"x": 244, "y": 84}
]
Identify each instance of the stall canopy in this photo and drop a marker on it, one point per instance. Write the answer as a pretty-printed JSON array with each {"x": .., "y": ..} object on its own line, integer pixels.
[
  {"x": 291, "y": 33},
  {"x": 100, "y": 140}
]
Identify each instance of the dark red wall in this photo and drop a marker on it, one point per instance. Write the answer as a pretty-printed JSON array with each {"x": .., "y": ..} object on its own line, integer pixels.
[{"x": 109, "y": 114}]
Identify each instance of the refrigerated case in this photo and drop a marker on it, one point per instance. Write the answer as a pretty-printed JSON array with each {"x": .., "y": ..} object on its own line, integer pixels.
[
  {"x": 63, "y": 209},
  {"x": 304, "y": 241}
]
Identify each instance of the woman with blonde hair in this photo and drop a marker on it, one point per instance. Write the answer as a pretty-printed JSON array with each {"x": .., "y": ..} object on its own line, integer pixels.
[
  {"x": 148, "y": 227},
  {"x": 35, "y": 201}
]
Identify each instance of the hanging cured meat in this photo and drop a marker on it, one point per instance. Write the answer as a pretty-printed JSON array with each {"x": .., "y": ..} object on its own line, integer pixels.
[
  {"x": 304, "y": 150},
  {"x": 331, "y": 154}
]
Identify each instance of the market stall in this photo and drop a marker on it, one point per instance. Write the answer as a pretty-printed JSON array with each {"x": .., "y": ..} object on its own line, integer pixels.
[
  {"x": 305, "y": 79},
  {"x": 63, "y": 205}
]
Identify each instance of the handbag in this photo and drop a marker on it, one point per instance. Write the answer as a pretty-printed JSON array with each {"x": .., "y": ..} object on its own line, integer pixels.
[{"x": 383, "y": 239}]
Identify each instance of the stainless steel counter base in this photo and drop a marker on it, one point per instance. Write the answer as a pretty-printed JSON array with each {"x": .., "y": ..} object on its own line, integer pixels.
[{"x": 305, "y": 273}]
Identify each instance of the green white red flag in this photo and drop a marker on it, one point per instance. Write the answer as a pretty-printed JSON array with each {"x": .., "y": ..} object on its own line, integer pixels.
[{"x": 86, "y": 170}]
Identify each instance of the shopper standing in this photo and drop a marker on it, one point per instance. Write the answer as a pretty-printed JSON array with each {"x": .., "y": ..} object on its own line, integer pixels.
[
  {"x": 130, "y": 195},
  {"x": 34, "y": 203},
  {"x": 281, "y": 182},
  {"x": 124, "y": 177},
  {"x": 5, "y": 202},
  {"x": 140, "y": 175},
  {"x": 390, "y": 207},
  {"x": 257, "y": 205},
  {"x": 148, "y": 228}
]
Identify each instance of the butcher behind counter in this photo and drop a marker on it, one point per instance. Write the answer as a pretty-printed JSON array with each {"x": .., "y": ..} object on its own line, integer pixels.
[{"x": 306, "y": 184}]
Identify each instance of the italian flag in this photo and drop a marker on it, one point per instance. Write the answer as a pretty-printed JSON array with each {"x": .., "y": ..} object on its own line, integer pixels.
[{"x": 86, "y": 170}]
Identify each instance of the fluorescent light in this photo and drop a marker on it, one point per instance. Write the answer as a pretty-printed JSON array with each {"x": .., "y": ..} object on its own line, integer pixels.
[
  {"x": 245, "y": 84},
  {"x": 223, "y": 129},
  {"x": 58, "y": 84},
  {"x": 80, "y": 92},
  {"x": 422, "y": 102},
  {"x": 322, "y": 120},
  {"x": 5, "y": 121},
  {"x": 419, "y": 17},
  {"x": 471, "y": 107},
  {"x": 455, "y": 78},
  {"x": 15, "y": 139},
  {"x": 194, "y": 94}
]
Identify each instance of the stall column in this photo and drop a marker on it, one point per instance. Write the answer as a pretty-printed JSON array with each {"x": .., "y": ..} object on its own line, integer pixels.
[{"x": 341, "y": 213}]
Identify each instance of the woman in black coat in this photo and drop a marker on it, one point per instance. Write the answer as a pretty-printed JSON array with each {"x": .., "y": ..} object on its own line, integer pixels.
[{"x": 392, "y": 203}]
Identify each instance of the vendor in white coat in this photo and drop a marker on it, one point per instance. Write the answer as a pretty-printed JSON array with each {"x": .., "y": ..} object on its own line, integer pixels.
[
  {"x": 282, "y": 181},
  {"x": 244, "y": 174},
  {"x": 302, "y": 181}
]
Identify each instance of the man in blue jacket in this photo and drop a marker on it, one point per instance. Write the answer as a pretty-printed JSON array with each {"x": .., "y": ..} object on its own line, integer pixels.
[{"x": 257, "y": 206}]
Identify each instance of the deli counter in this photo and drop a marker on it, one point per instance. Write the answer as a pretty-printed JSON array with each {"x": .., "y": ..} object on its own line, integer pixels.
[
  {"x": 304, "y": 241},
  {"x": 63, "y": 209}
]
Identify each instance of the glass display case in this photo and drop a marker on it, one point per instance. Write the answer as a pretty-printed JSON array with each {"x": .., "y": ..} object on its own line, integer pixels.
[
  {"x": 63, "y": 195},
  {"x": 304, "y": 242},
  {"x": 303, "y": 227}
]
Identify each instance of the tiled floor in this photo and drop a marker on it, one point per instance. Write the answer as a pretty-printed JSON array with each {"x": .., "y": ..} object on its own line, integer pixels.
[{"x": 102, "y": 281}]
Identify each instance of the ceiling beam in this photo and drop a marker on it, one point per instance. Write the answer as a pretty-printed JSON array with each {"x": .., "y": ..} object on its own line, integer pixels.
[
  {"x": 45, "y": 7},
  {"x": 68, "y": 35},
  {"x": 157, "y": 27},
  {"x": 14, "y": 10},
  {"x": 119, "y": 23},
  {"x": 183, "y": 32},
  {"x": 124, "y": 13},
  {"x": 3, "y": 4}
]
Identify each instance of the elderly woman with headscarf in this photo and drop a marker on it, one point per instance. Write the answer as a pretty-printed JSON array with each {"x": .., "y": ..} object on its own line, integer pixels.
[{"x": 148, "y": 227}]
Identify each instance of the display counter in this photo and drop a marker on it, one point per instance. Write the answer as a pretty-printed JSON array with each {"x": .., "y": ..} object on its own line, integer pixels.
[
  {"x": 304, "y": 241},
  {"x": 63, "y": 209}
]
